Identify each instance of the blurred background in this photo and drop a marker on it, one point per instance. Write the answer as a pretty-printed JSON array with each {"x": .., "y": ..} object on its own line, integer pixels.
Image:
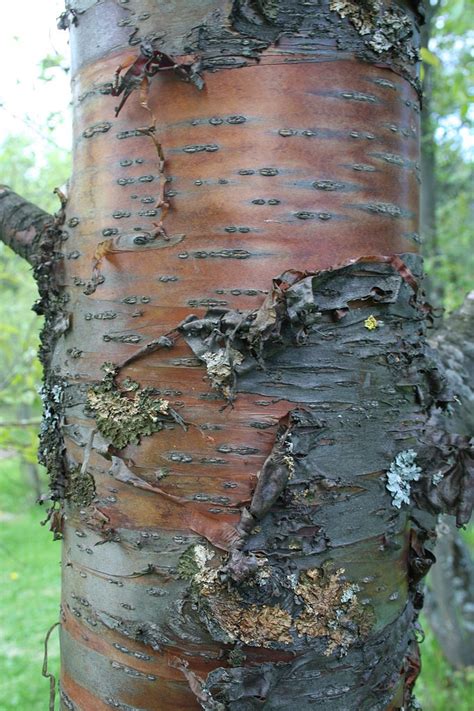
[{"x": 34, "y": 159}]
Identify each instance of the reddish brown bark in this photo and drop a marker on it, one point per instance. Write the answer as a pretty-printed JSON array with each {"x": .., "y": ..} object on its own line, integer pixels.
[
  {"x": 229, "y": 541},
  {"x": 272, "y": 167}
]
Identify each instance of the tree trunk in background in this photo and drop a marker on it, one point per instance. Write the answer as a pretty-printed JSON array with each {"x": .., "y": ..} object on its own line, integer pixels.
[
  {"x": 428, "y": 161},
  {"x": 228, "y": 382},
  {"x": 450, "y": 601},
  {"x": 450, "y": 596},
  {"x": 450, "y": 586}
]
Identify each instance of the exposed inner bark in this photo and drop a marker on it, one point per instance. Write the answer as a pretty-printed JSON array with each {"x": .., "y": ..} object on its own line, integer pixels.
[{"x": 246, "y": 496}]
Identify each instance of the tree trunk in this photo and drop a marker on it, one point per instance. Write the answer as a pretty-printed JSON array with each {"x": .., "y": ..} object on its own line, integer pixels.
[
  {"x": 235, "y": 361},
  {"x": 429, "y": 186},
  {"x": 450, "y": 588}
]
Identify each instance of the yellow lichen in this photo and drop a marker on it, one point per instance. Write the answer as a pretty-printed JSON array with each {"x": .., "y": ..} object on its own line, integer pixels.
[
  {"x": 371, "y": 323},
  {"x": 256, "y": 625},
  {"x": 326, "y": 605},
  {"x": 331, "y": 608},
  {"x": 290, "y": 465}
]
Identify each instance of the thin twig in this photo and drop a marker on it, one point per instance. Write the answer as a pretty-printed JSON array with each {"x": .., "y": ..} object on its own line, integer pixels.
[
  {"x": 20, "y": 423},
  {"x": 45, "y": 672}
]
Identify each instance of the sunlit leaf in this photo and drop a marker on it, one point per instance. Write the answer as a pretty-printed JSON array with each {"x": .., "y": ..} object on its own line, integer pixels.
[{"x": 430, "y": 57}]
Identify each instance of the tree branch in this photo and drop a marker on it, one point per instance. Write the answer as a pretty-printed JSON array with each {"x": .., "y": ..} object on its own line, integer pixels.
[
  {"x": 21, "y": 222},
  {"x": 455, "y": 346}
]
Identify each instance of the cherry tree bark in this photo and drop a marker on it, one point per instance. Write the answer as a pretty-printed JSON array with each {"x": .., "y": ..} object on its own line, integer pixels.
[{"x": 240, "y": 402}]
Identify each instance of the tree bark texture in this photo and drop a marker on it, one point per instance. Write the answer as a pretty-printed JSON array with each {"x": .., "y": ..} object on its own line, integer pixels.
[
  {"x": 450, "y": 593},
  {"x": 235, "y": 357}
]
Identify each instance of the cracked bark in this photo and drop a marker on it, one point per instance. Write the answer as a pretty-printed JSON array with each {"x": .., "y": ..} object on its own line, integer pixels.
[{"x": 255, "y": 558}]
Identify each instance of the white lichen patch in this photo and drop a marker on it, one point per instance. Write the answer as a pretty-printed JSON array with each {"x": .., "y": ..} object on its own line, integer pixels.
[
  {"x": 220, "y": 368},
  {"x": 350, "y": 593},
  {"x": 387, "y": 28},
  {"x": 202, "y": 555},
  {"x": 401, "y": 473},
  {"x": 360, "y": 14}
]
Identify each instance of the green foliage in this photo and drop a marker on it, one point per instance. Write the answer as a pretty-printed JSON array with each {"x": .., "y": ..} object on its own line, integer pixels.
[
  {"x": 31, "y": 175},
  {"x": 452, "y": 42},
  {"x": 51, "y": 61},
  {"x": 453, "y": 266},
  {"x": 448, "y": 81},
  {"x": 20, "y": 371}
]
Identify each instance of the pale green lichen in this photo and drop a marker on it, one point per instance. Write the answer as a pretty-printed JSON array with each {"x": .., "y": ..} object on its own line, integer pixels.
[
  {"x": 127, "y": 413},
  {"x": 236, "y": 657},
  {"x": 401, "y": 473},
  {"x": 188, "y": 565}
]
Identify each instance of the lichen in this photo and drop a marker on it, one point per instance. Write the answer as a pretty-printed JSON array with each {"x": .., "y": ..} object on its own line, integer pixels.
[
  {"x": 386, "y": 28},
  {"x": 220, "y": 369},
  {"x": 125, "y": 414},
  {"x": 331, "y": 609},
  {"x": 371, "y": 323},
  {"x": 80, "y": 488},
  {"x": 321, "y": 604},
  {"x": 188, "y": 565},
  {"x": 256, "y": 625},
  {"x": 236, "y": 657},
  {"x": 401, "y": 473},
  {"x": 361, "y": 15},
  {"x": 51, "y": 443}
]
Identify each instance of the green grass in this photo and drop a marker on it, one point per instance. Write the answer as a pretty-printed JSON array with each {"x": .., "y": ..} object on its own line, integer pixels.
[
  {"x": 439, "y": 687},
  {"x": 29, "y": 595},
  {"x": 29, "y": 605}
]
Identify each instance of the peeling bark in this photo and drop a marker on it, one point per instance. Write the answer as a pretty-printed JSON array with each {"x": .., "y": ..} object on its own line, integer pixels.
[{"x": 245, "y": 272}]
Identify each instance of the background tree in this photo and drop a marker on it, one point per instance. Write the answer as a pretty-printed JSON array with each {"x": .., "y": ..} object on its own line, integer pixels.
[
  {"x": 248, "y": 582},
  {"x": 446, "y": 215}
]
